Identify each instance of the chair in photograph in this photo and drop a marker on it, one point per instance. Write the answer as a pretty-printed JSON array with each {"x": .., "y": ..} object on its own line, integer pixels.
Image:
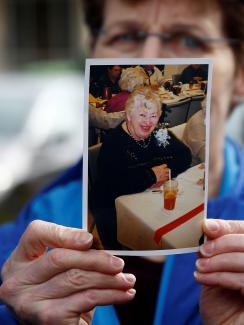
[
  {"x": 176, "y": 113},
  {"x": 195, "y": 105},
  {"x": 178, "y": 130},
  {"x": 93, "y": 153}
]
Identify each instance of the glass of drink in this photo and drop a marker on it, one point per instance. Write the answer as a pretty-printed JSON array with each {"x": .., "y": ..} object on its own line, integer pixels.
[
  {"x": 107, "y": 94},
  {"x": 176, "y": 90},
  {"x": 168, "y": 85},
  {"x": 204, "y": 86},
  {"x": 191, "y": 83},
  {"x": 170, "y": 193}
]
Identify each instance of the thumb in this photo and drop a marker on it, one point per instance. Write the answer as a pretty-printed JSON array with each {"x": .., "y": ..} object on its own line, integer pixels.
[{"x": 41, "y": 235}]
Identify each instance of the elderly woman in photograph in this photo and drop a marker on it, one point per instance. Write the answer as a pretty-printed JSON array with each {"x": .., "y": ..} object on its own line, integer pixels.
[{"x": 134, "y": 157}]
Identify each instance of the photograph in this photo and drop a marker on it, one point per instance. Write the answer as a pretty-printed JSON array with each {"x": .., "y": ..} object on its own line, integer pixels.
[{"x": 145, "y": 160}]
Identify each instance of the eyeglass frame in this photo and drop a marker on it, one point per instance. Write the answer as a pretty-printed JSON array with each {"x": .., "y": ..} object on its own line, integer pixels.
[{"x": 165, "y": 36}]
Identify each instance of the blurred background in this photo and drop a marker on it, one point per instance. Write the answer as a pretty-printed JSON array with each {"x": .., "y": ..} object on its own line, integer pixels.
[{"x": 41, "y": 96}]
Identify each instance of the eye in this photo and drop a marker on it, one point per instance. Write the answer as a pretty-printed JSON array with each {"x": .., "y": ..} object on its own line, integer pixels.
[
  {"x": 130, "y": 37},
  {"x": 181, "y": 41},
  {"x": 192, "y": 42}
]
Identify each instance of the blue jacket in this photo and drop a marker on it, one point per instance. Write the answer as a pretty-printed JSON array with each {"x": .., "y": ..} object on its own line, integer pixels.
[{"x": 179, "y": 294}]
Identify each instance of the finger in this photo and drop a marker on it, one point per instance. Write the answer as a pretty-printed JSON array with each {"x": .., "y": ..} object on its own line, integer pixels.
[
  {"x": 79, "y": 303},
  {"x": 228, "y": 280},
  {"x": 60, "y": 260},
  {"x": 224, "y": 244},
  {"x": 232, "y": 262},
  {"x": 87, "y": 300},
  {"x": 214, "y": 228},
  {"x": 76, "y": 280},
  {"x": 40, "y": 234}
]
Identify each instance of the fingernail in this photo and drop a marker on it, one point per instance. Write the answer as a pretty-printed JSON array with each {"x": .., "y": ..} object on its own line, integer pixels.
[
  {"x": 84, "y": 238},
  {"x": 195, "y": 274},
  {"x": 202, "y": 263},
  {"x": 130, "y": 278},
  {"x": 132, "y": 292},
  {"x": 212, "y": 225},
  {"x": 117, "y": 262},
  {"x": 207, "y": 248},
  {"x": 197, "y": 264}
]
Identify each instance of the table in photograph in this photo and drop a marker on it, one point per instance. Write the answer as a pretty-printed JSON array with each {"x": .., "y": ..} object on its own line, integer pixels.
[
  {"x": 143, "y": 223},
  {"x": 166, "y": 97}
]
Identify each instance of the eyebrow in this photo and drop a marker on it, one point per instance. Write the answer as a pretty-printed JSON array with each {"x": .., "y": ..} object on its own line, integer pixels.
[
  {"x": 179, "y": 27},
  {"x": 126, "y": 24},
  {"x": 192, "y": 28}
]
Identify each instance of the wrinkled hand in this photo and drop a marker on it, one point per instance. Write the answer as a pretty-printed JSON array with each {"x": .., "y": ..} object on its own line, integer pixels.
[
  {"x": 220, "y": 269},
  {"x": 162, "y": 173},
  {"x": 61, "y": 285}
]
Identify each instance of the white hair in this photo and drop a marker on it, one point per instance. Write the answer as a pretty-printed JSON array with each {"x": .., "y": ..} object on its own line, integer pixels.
[
  {"x": 143, "y": 96},
  {"x": 131, "y": 78}
]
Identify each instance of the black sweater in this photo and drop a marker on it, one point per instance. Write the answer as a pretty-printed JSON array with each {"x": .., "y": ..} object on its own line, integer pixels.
[{"x": 124, "y": 167}]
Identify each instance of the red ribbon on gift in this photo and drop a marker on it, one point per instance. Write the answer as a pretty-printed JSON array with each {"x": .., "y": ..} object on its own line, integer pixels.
[{"x": 176, "y": 223}]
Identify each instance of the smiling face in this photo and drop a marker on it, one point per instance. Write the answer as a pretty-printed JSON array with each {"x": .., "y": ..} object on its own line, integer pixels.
[
  {"x": 188, "y": 21},
  {"x": 142, "y": 118}
]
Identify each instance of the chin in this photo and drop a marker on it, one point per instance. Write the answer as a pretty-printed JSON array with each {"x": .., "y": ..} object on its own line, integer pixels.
[{"x": 145, "y": 134}]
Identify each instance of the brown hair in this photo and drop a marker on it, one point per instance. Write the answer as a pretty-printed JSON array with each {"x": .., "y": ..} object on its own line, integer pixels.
[{"x": 233, "y": 21}]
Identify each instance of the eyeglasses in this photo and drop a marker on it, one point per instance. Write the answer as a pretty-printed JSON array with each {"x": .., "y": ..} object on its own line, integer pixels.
[{"x": 177, "y": 44}]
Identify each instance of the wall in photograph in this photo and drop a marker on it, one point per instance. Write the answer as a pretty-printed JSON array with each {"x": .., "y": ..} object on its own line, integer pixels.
[{"x": 169, "y": 70}]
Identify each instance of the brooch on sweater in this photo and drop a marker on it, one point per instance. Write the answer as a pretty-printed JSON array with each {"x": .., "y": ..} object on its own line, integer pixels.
[{"x": 162, "y": 137}]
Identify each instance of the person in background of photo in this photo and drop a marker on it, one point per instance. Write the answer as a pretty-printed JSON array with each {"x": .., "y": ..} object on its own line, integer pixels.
[
  {"x": 194, "y": 135},
  {"x": 62, "y": 285},
  {"x": 194, "y": 73},
  {"x": 109, "y": 79},
  {"x": 133, "y": 157},
  {"x": 101, "y": 119},
  {"x": 129, "y": 80},
  {"x": 153, "y": 75}
]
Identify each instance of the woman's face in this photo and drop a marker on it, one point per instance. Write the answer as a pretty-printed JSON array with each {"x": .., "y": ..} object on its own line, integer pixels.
[
  {"x": 191, "y": 18},
  {"x": 142, "y": 119}
]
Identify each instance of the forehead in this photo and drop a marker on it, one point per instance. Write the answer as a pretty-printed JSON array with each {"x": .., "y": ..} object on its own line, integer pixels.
[
  {"x": 141, "y": 103},
  {"x": 151, "y": 110},
  {"x": 164, "y": 14}
]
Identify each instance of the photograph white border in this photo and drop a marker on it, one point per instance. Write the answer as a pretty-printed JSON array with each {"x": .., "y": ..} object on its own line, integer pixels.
[{"x": 139, "y": 61}]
